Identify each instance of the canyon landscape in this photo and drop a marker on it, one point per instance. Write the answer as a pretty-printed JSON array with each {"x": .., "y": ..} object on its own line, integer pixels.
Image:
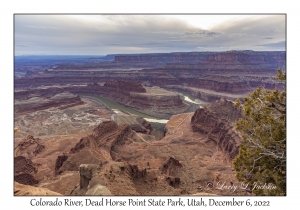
[
  {"x": 134, "y": 124},
  {"x": 155, "y": 139}
]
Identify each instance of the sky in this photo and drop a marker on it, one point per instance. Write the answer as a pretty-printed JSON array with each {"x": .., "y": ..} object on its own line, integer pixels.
[{"x": 113, "y": 34}]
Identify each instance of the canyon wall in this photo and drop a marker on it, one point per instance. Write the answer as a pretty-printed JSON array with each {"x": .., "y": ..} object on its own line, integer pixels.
[
  {"x": 125, "y": 86},
  {"x": 221, "y": 85},
  {"x": 163, "y": 57},
  {"x": 247, "y": 56},
  {"x": 216, "y": 121}
]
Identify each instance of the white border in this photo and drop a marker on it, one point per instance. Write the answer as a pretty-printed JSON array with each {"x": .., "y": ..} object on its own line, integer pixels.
[{"x": 154, "y": 6}]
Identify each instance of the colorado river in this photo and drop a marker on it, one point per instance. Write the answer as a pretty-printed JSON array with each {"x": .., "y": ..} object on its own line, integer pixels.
[
  {"x": 156, "y": 120},
  {"x": 190, "y": 98},
  {"x": 114, "y": 106}
]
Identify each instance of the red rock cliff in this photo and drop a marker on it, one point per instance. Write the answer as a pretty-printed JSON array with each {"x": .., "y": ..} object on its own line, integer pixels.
[{"x": 216, "y": 121}]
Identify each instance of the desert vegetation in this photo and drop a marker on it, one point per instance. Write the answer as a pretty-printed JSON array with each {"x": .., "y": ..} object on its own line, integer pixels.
[{"x": 261, "y": 160}]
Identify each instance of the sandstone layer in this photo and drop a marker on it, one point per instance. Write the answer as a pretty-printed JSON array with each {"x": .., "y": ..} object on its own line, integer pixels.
[
  {"x": 62, "y": 100},
  {"x": 216, "y": 121}
]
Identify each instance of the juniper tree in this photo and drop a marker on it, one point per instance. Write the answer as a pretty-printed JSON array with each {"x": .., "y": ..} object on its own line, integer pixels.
[{"x": 262, "y": 154}]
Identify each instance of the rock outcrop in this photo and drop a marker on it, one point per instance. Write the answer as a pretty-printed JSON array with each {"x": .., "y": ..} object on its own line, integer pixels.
[
  {"x": 62, "y": 100},
  {"x": 96, "y": 148},
  {"x": 59, "y": 162},
  {"x": 29, "y": 147},
  {"x": 98, "y": 179},
  {"x": 171, "y": 166},
  {"x": 137, "y": 123},
  {"x": 135, "y": 172},
  {"x": 24, "y": 169},
  {"x": 173, "y": 181},
  {"x": 216, "y": 122},
  {"x": 27, "y": 190},
  {"x": 90, "y": 182}
]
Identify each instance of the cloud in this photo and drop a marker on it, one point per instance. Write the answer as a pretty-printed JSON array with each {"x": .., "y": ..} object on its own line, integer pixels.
[
  {"x": 256, "y": 26},
  {"x": 106, "y": 34},
  {"x": 279, "y": 45},
  {"x": 42, "y": 27},
  {"x": 24, "y": 44}
]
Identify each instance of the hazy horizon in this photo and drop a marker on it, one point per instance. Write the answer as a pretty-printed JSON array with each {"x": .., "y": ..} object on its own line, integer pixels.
[{"x": 103, "y": 55}]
